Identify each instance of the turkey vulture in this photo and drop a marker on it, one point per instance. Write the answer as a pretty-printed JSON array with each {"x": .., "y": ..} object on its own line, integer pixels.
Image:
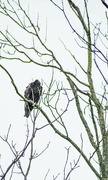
[{"x": 32, "y": 92}]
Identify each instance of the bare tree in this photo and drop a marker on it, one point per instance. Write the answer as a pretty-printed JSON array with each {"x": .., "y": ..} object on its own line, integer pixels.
[{"x": 91, "y": 105}]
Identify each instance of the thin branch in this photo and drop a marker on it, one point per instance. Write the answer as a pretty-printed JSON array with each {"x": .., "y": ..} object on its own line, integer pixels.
[
  {"x": 47, "y": 174},
  {"x": 12, "y": 81},
  {"x": 104, "y": 3},
  {"x": 16, "y": 159},
  {"x": 73, "y": 57},
  {"x": 75, "y": 163}
]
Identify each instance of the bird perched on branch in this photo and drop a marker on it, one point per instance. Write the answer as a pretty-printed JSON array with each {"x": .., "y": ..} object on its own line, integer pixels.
[{"x": 33, "y": 92}]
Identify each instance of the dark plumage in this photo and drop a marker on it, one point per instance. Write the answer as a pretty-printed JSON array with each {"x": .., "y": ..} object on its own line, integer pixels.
[{"x": 32, "y": 92}]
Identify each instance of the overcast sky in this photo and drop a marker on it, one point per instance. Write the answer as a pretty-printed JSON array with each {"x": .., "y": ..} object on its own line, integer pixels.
[{"x": 12, "y": 109}]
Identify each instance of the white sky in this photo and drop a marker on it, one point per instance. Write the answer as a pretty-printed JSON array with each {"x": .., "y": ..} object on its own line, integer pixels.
[{"x": 12, "y": 109}]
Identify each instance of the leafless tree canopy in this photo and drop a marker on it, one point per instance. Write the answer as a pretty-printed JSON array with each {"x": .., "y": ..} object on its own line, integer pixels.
[{"x": 78, "y": 90}]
